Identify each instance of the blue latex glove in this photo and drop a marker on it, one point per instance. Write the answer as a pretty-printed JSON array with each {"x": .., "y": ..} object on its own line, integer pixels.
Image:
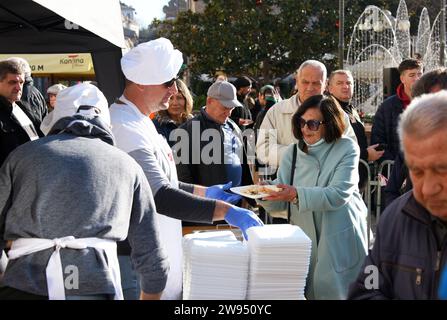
[
  {"x": 217, "y": 192},
  {"x": 243, "y": 219},
  {"x": 443, "y": 285}
]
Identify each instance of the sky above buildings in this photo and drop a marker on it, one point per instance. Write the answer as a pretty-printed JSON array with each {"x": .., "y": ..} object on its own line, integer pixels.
[{"x": 147, "y": 10}]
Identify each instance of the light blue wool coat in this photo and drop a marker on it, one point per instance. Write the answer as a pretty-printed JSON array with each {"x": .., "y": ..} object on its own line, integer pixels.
[{"x": 330, "y": 211}]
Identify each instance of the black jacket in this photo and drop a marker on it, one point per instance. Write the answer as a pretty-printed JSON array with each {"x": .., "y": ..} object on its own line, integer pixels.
[
  {"x": 407, "y": 253},
  {"x": 399, "y": 181},
  {"x": 242, "y": 112},
  {"x": 214, "y": 173},
  {"x": 165, "y": 125},
  {"x": 12, "y": 134},
  {"x": 362, "y": 141},
  {"x": 384, "y": 129},
  {"x": 34, "y": 98}
]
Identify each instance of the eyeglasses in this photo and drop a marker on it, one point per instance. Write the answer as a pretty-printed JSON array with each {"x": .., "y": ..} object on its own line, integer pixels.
[
  {"x": 313, "y": 125},
  {"x": 170, "y": 83}
]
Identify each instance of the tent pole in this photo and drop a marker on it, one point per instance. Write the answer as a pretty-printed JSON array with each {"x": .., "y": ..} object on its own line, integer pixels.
[{"x": 341, "y": 33}]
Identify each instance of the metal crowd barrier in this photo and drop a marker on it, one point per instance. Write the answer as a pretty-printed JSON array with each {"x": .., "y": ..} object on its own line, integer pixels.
[
  {"x": 367, "y": 199},
  {"x": 387, "y": 164},
  {"x": 373, "y": 186}
]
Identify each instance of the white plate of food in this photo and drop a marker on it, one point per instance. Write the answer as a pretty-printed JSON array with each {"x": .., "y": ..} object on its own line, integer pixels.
[{"x": 255, "y": 191}]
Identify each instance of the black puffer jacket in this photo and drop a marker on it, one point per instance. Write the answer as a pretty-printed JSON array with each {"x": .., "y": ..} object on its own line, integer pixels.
[
  {"x": 399, "y": 181},
  {"x": 407, "y": 254},
  {"x": 12, "y": 134},
  {"x": 359, "y": 130}
]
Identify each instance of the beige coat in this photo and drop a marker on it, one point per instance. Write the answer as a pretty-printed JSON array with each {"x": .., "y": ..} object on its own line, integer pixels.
[{"x": 275, "y": 133}]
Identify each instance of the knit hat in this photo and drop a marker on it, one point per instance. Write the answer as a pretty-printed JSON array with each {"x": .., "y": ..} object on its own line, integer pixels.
[{"x": 242, "y": 82}]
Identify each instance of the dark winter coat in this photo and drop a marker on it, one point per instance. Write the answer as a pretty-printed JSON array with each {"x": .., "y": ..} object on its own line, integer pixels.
[
  {"x": 384, "y": 129},
  {"x": 34, "y": 98},
  {"x": 12, "y": 134},
  {"x": 408, "y": 253},
  {"x": 214, "y": 173},
  {"x": 399, "y": 181}
]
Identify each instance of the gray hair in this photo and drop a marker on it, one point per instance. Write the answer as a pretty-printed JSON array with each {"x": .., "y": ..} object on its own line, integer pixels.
[
  {"x": 314, "y": 64},
  {"x": 425, "y": 115},
  {"x": 23, "y": 63},
  {"x": 9, "y": 66}
]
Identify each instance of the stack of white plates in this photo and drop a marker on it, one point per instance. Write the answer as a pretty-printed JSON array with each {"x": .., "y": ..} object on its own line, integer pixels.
[
  {"x": 215, "y": 266},
  {"x": 279, "y": 262}
]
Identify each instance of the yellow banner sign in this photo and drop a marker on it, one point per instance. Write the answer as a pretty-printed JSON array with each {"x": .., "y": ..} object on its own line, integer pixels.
[{"x": 73, "y": 63}]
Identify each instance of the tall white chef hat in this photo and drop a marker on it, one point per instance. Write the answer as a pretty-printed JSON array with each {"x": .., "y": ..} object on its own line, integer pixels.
[{"x": 152, "y": 63}]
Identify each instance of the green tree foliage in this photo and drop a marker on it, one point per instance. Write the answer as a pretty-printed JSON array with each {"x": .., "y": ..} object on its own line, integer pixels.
[{"x": 268, "y": 38}]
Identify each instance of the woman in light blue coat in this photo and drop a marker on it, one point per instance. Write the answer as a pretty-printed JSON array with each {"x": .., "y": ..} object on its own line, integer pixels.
[{"x": 324, "y": 198}]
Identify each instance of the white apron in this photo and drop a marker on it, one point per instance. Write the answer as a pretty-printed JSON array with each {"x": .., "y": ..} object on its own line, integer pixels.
[
  {"x": 143, "y": 134},
  {"x": 171, "y": 232},
  {"x": 55, "y": 277}
]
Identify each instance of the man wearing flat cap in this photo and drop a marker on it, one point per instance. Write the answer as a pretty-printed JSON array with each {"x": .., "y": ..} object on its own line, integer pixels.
[
  {"x": 66, "y": 199},
  {"x": 150, "y": 70}
]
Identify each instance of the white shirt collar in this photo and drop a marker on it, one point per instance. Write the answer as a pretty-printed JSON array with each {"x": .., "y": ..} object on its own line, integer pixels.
[{"x": 132, "y": 106}]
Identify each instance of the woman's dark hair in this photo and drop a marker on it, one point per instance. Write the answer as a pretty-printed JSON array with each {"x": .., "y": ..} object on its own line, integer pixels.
[{"x": 333, "y": 117}]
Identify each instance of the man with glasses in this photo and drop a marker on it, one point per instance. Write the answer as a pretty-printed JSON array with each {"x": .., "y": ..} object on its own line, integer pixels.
[
  {"x": 226, "y": 162},
  {"x": 150, "y": 70}
]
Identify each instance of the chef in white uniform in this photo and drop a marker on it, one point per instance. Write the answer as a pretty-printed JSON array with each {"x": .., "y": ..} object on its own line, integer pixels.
[{"x": 150, "y": 70}]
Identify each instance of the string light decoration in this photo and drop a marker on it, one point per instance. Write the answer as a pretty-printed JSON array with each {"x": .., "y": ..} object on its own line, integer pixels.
[
  {"x": 402, "y": 30},
  {"x": 372, "y": 47},
  {"x": 381, "y": 41},
  {"x": 423, "y": 37},
  {"x": 433, "y": 54}
]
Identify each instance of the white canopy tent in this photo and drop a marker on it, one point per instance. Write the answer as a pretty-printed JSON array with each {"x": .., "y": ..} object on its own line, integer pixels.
[{"x": 54, "y": 26}]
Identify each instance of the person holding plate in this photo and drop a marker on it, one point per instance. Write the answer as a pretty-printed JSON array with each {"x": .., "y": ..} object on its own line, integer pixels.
[
  {"x": 323, "y": 196},
  {"x": 151, "y": 70}
]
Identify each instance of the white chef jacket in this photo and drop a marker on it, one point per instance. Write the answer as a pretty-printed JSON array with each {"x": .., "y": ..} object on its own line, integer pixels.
[{"x": 135, "y": 131}]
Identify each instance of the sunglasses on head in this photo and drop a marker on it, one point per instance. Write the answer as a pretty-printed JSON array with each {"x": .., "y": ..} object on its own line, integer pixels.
[
  {"x": 313, "y": 125},
  {"x": 170, "y": 83}
]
